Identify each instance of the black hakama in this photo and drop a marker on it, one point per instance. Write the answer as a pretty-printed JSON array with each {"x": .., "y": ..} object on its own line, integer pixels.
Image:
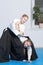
[{"x": 11, "y": 45}]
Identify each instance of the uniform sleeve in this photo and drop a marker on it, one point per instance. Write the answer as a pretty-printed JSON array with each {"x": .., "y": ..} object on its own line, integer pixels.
[{"x": 13, "y": 27}]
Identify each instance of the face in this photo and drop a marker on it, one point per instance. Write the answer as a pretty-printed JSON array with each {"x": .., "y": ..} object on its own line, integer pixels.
[
  {"x": 27, "y": 43},
  {"x": 24, "y": 19}
]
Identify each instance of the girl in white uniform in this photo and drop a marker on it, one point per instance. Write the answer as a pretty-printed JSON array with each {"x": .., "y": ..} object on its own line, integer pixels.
[{"x": 18, "y": 28}]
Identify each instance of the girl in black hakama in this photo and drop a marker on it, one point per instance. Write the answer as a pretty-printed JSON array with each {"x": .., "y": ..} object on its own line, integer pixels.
[{"x": 11, "y": 45}]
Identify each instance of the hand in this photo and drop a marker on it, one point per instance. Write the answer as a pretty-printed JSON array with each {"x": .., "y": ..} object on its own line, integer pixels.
[{"x": 21, "y": 33}]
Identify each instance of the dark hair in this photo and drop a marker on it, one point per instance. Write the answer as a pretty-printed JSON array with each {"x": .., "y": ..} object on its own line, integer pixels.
[
  {"x": 25, "y": 15},
  {"x": 27, "y": 41}
]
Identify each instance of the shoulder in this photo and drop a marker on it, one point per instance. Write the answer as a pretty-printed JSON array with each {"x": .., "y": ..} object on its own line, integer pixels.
[{"x": 15, "y": 20}]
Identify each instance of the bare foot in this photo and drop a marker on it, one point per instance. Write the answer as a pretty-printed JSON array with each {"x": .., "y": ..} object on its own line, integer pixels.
[
  {"x": 24, "y": 60},
  {"x": 29, "y": 61}
]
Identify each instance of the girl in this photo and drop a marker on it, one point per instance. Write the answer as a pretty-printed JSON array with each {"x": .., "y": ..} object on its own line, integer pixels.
[{"x": 18, "y": 28}]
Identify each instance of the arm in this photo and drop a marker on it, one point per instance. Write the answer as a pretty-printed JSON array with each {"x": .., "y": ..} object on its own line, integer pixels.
[{"x": 18, "y": 28}]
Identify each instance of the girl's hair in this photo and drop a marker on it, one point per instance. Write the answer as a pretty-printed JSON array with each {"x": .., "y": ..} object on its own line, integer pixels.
[
  {"x": 27, "y": 41},
  {"x": 25, "y": 15}
]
